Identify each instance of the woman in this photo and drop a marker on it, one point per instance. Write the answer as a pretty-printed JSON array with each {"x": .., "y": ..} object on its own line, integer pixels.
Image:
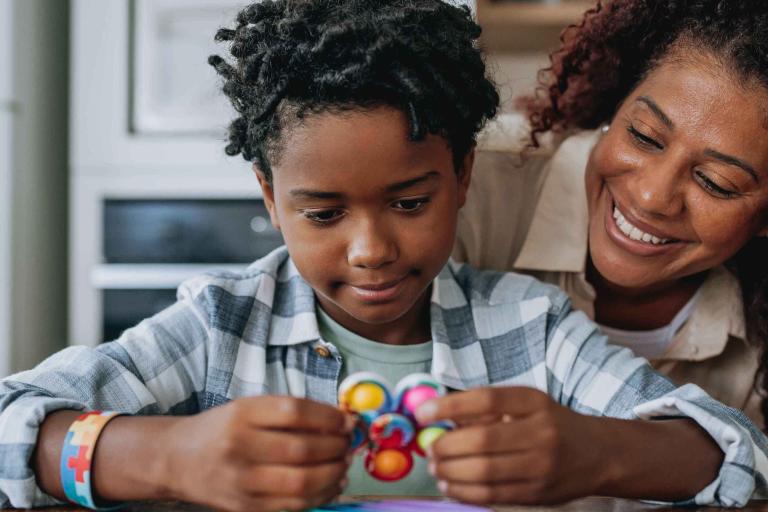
[{"x": 646, "y": 199}]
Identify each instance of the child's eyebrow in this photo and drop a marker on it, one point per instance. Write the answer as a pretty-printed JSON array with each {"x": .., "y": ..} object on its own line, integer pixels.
[
  {"x": 305, "y": 193},
  {"x": 314, "y": 194},
  {"x": 396, "y": 187}
]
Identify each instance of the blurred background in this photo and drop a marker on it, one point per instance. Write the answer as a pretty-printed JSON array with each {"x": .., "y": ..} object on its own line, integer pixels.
[{"x": 113, "y": 182}]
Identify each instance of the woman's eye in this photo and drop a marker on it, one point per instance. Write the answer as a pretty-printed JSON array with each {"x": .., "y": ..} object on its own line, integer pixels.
[
  {"x": 713, "y": 187},
  {"x": 644, "y": 139},
  {"x": 322, "y": 216},
  {"x": 411, "y": 205}
]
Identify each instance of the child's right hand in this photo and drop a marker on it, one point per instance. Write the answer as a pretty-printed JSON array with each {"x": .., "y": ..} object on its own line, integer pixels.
[{"x": 260, "y": 453}]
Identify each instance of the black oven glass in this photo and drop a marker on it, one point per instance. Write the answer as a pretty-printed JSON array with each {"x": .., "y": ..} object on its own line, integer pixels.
[{"x": 177, "y": 232}]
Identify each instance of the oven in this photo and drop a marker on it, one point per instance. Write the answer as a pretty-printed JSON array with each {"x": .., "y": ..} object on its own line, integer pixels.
[{"x": 151, "y": 245}]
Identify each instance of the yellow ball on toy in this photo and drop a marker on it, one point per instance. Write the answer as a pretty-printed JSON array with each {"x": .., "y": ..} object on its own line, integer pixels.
[{"x": 367, "y": 397}]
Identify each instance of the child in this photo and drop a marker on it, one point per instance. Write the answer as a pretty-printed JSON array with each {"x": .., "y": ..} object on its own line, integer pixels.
[{"x": 360, "y": 117}]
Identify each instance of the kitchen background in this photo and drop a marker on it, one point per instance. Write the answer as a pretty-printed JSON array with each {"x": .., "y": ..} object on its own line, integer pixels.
[{"x": 113, "y": 182}]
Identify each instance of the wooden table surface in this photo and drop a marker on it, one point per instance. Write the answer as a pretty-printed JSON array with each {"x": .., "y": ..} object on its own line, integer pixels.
[{"x": 582, "y": 505}]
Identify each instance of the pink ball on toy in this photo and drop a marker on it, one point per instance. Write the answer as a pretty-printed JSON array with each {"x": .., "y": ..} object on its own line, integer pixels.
[{"x": 417, "y": 395}]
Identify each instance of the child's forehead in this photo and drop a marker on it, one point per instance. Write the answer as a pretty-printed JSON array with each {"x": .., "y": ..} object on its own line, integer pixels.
[{"x": 333, "y": 148}]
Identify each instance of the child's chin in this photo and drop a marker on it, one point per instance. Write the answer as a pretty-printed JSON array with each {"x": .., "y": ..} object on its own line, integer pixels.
[
  {"x": 378, "y": 317},
  {"x": 378, "y": 314}
]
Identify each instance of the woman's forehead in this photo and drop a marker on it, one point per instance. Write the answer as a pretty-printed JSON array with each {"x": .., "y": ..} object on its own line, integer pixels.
[{"x": 701, "y": 92}]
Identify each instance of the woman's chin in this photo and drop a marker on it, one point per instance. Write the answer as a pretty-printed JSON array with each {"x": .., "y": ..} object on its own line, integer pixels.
[{"x": 616, "y": 273}]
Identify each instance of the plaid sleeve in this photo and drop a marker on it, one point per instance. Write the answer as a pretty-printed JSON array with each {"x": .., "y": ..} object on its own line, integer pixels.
[
  {"x": 593, "y": 377},
  {"x": 157, "y": 367}
]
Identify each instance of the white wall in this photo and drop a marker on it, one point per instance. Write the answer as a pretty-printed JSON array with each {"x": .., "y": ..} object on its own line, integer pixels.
[
  {"x": 6, "y": 27},
  {"x": 33, "y": 204}
]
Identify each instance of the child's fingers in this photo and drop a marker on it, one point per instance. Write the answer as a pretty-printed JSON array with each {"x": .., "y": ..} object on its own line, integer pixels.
[
  {"x": 488, "y": 469},
  {"x": 291, "y": 413},
  {"x": 331, "y": 493},
  {"x": 514, "y": 401},
  {"x": 521, "y": 493},
  {"x": 274, "y": 446},
  {"x": 278, "y": 504},
  {"x": 516, "y": 435},
  {"x": 302, "y": 481},
  {"x": 295, "y": 503}
]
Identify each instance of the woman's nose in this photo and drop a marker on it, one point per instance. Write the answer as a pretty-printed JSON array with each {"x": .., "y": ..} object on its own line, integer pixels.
[
  {"x": 657, "y": 190},
  {"x": 371, "y": 247}
]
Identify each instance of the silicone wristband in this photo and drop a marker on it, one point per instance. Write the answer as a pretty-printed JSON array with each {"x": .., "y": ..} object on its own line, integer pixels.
[{"x": 77, "y": 456}]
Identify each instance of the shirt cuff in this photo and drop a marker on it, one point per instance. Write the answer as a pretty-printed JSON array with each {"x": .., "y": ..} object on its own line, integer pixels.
[
  {"x": 19, "y": 426},
  {"x": 743, "y": 473}
]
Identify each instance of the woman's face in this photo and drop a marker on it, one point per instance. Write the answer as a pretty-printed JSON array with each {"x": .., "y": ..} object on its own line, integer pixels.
[{"x": 679, "y": 182}]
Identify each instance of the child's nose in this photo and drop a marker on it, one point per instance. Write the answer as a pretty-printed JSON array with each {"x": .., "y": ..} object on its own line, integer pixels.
[{"x": 370, "y": 247}]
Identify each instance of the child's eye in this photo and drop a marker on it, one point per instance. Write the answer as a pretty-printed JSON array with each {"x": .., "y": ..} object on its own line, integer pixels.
[
  {"x": 410, "y": 205},
  {"x": 644, "y": 139},
  {"x": 712, "y": 187},
  {"x": 322, "y": 216}
]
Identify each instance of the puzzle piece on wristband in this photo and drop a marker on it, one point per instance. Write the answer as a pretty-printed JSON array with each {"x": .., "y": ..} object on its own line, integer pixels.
[{"x": 387, "y": 430}]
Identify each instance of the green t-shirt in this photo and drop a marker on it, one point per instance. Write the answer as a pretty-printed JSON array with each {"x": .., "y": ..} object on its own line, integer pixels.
[{"x": 392, "y": 362}]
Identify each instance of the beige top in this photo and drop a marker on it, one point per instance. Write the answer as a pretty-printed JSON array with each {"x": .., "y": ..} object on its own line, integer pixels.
[{"x": 530, "y": 215}]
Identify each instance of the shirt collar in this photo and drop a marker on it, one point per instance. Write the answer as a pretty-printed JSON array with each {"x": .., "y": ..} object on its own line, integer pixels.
[
  {"x": 557, "y": 238},
  {"x": 456, "y": 351},
  {"x": 292, "y": 316},
  {"x": 717, "y": 317}
]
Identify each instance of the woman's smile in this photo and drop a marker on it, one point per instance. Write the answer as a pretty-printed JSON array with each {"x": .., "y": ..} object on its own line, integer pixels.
[{"x": 633, "y": 235}]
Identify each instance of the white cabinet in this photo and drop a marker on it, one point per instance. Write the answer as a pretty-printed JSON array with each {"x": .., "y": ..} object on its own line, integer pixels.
[
  {"x": 33, "y": 181},
  {"x": 139, "y": 129}
]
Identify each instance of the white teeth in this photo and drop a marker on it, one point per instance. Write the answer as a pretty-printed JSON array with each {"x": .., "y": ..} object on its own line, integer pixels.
[{"x": 633, "y": 232}]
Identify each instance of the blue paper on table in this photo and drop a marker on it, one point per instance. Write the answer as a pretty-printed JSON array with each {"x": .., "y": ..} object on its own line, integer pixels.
[{"x": 400, "y": 506}]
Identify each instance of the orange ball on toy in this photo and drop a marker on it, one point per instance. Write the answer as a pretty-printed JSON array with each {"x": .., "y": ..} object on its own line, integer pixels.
[{"x": 389, "y": 464}]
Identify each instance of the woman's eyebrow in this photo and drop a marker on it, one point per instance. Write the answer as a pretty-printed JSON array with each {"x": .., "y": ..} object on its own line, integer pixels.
[
  {"x": 656, "y": 109},
  {"x": 732, "y": 160}
]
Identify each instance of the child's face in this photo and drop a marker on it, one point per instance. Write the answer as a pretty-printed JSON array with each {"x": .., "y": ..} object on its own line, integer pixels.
[{"x": 369, "y": 217}]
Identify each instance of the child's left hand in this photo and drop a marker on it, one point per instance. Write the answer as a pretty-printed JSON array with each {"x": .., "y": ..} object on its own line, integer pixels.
[{"x": 514, "y": 445}]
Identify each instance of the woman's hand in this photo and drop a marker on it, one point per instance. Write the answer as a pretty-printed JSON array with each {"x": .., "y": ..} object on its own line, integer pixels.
[
  {"x": 260, "y": 453},
  {"x": 514, "y": 445}
]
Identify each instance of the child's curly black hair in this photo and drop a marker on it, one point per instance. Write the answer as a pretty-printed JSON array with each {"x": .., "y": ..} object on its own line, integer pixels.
[
  {"x": 606, "y": 55},
  {"x": 299, "y": 57}
]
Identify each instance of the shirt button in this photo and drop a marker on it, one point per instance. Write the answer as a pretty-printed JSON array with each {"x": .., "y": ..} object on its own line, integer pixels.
[{"x": 322, "y": 351}]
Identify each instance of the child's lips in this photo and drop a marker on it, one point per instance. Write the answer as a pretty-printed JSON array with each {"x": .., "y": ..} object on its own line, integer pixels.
[{"x": 378, "y": 292}]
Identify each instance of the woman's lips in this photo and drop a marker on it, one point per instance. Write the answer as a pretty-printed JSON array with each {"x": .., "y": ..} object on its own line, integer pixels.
[
  {"x": 637, "y": 241},
  {"x": 378, "y": 292}
]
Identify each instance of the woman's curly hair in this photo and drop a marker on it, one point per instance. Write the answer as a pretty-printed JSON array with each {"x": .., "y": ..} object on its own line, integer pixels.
[
  {"x": 298, "y": 57},
  {"x": 604, "y": 57}
]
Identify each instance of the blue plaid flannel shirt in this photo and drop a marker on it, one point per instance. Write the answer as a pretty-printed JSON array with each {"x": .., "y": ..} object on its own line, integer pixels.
[{"x": 255, "y": 332}]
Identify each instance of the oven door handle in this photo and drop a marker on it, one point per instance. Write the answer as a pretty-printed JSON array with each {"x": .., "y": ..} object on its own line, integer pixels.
[{"x": 144, "y": 276}]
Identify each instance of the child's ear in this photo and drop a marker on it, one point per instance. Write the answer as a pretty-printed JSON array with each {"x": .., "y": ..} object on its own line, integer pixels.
[
  {"x": 465, "y": 175},
  {"x": 268, "y": 195}
]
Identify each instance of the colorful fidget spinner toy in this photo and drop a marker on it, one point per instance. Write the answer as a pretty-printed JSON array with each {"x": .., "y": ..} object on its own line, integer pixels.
[{"x": 387, "y": 428}]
